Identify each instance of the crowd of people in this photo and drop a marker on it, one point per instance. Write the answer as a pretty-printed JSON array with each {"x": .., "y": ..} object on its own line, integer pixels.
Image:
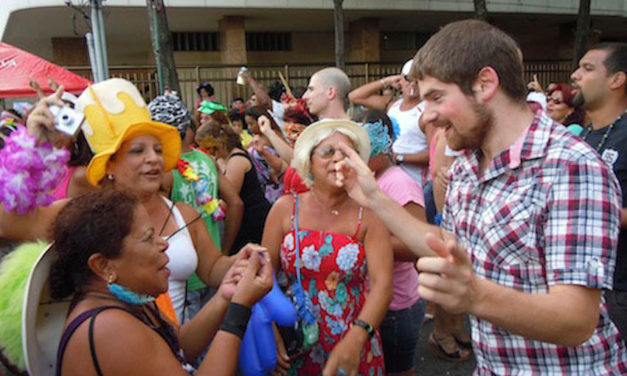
[{"x": 470, "y": 193}]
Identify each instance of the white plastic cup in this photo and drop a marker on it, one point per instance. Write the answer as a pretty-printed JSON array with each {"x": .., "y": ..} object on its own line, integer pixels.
[{"x": 240, "y": 79}]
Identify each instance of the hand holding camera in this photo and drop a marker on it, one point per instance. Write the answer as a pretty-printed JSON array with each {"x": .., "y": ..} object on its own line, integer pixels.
[
  {"x": 68, "y": 120},
  {"x": 52, "y": 120}
]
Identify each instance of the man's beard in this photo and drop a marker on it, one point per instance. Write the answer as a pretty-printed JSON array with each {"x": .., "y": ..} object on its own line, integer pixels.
[
  {"x": 579, "y": 100},
  {"x": 475, "y": 137}
]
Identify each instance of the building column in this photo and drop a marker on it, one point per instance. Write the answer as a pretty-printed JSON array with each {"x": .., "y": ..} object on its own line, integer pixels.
[
  {"x": 365, "y": 40},
  {"x": 233, "y": 40}
]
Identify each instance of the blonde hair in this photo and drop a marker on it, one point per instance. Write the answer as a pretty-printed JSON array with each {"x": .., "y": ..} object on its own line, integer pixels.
[{"x": 314, "y": 134}]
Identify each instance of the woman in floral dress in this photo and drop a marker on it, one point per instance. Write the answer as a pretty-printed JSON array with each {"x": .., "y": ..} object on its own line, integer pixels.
[{"x": 342, "y": 265}]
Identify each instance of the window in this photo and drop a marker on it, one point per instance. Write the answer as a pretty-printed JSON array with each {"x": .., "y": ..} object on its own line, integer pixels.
[
  {"x": 196, "y": 41},
  {"x": 268, "y": 41},
  {"x": 403, "y": 40}
]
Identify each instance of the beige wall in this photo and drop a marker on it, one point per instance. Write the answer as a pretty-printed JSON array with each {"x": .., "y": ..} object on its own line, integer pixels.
[
  {"x": 70, "y": 51},
  {"x": 307, "y": 47}
]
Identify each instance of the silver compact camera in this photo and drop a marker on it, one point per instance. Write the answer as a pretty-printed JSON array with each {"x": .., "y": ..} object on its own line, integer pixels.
[{"x": 68, "y": 121}]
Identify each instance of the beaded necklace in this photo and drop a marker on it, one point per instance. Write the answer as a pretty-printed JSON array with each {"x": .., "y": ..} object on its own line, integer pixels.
[{"x": 606, "y": 135}]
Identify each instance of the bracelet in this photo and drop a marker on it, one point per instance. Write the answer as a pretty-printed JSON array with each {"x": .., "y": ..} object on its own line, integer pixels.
[
  {"x": 28, "y": 172},
  {"x": 364, "y": 325},
  {"x": 383, "y": 82},
  {"x": 236, "y": 319}
]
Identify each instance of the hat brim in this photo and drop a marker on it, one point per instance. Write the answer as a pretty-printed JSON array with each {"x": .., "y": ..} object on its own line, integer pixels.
[
  {"x": 363, "y": 141},
  {"x": 167, "y": 135},
  {"x": 42, "y": 318}
]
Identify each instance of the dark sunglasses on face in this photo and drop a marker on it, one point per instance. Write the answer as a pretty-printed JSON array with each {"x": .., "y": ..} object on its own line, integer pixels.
[{"x": 555, "y": 100}]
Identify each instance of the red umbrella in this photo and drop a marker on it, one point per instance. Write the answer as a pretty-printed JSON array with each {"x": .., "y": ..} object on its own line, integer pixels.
[{"x": 17, "y": 66}]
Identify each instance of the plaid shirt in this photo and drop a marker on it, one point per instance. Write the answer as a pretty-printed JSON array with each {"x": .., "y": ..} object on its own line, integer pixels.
[{"x": 545, "y": 212}]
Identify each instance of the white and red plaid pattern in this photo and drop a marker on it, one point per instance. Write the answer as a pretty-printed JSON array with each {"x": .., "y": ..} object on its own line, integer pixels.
[{"x": 545, "y": 212}]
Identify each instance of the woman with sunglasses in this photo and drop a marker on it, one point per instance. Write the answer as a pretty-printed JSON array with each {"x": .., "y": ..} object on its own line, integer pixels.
[
  {"x": 560, "y": 107},
  {"x": 336, "y": 257}
]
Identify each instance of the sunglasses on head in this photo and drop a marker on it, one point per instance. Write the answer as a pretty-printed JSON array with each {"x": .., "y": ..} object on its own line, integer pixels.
[{"x": 555, "y": 100}]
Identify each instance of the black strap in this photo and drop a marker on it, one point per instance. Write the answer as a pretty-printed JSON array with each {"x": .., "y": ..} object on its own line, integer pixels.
[
  {"x": 240, "y": 154},
  {"x": 184, "y": 227},
  {"x": 71, "y": 328},
  {"x": 170, "y": 209},
  {"x": 166, "y": 218},
  {"x": 92, "y": 346}
]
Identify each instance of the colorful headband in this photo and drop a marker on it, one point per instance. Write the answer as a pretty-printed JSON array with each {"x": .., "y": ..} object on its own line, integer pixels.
[{"x": 380, "y": 141}]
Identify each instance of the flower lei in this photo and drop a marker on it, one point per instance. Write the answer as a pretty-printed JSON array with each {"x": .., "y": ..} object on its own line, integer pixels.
[
  {"x": 28, "y": 172},
  {"x": 210, "y": 205}
]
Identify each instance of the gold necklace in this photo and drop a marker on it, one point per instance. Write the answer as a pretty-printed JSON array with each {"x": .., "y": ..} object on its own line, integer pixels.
[{"x": 333, "y": 211}]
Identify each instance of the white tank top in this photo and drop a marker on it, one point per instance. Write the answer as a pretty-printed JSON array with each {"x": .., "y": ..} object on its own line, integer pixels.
[
  {"x": 410, "y": 139},
  {"x": 183, "y": 261}
]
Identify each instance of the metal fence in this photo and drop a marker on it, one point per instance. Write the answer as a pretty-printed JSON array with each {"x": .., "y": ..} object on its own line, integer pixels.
[{"x": 222, "y": 77}]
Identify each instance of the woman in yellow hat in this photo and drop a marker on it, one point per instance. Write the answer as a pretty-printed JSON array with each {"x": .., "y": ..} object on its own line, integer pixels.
[{"x": 131, "y": 154}]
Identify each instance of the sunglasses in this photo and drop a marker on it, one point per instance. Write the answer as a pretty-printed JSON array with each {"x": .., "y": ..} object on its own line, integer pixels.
[
  {"x": 555, "y": 100},
  {"x": 328, "y": 151}
]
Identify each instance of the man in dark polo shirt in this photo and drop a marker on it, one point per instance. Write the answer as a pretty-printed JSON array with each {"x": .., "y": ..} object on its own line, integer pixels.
[{"x": 602, "y": 81}]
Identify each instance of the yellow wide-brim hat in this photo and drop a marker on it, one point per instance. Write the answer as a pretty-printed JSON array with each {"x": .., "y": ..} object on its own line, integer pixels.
[{"x": 114, "y": 113}]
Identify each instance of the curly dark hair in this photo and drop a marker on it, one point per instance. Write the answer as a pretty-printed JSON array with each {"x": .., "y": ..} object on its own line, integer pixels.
[
  {"x": 276, "y": 90},
  {"x": 96, "y": 222},
  {"x": 207, "y": 86}
]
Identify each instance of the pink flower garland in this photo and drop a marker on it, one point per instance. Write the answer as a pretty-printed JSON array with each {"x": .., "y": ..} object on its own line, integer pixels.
[{"x": 28, "y": 172}]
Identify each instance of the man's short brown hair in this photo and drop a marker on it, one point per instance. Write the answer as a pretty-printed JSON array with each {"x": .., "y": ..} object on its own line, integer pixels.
[{"x": 457, "y": 53}]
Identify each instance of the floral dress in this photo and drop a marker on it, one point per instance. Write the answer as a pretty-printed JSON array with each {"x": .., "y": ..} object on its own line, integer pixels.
[{"x": 334, "y": 276}]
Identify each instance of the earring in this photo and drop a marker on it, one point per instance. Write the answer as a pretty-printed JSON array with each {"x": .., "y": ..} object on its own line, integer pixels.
[
  {"x": 111, "y": 278},
  {"x": 110, "y": 177}
]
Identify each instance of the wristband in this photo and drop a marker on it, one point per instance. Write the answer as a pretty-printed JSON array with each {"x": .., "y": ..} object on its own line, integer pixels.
[
  {"x": 383, "y": 82},
  {"x": 364, "y": 325},
  {"x": 236, "y": 319}
]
